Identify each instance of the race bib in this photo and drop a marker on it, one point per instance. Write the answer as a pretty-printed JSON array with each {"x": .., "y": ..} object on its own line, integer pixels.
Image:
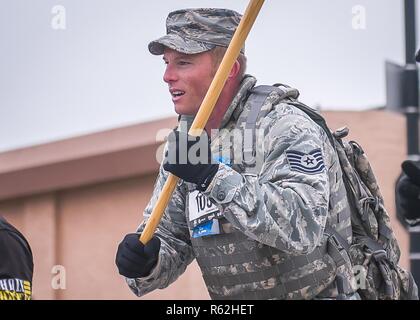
[
  {"x": 201, "y": 209},
  {"x": 203, "y": 215}
]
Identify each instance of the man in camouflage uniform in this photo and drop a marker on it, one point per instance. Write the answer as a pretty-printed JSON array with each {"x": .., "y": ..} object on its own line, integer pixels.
[{"x": 260, "y": 227}]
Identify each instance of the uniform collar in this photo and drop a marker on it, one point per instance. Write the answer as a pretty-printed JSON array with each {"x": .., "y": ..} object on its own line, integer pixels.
[{"x": 236, "y": 106}]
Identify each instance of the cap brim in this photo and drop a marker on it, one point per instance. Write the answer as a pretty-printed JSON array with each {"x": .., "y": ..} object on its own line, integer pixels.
[{"x": 179, "y": 44}]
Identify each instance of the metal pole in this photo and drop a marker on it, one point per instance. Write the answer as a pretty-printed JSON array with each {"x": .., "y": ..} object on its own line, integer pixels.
[
  {"x": 412, "y": 117},
  {"x": 410, "y": 31}
]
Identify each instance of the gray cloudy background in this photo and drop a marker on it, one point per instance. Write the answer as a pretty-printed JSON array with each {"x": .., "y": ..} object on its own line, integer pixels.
[{"x": 97, "y": 74}]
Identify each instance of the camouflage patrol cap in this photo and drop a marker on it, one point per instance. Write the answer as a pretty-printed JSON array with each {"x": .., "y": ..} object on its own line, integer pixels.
[{"x": 197, "y": 30}]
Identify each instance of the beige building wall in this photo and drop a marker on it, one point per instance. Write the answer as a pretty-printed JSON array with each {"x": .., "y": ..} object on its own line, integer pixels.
[{"x": 75, "y": 200}]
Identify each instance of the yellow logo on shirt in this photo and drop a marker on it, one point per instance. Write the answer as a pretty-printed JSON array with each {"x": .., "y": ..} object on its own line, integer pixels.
[{"x": 15, "y": 289}]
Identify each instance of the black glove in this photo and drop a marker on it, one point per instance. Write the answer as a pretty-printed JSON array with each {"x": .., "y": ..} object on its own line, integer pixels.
[
  {"x": 189, "y": 158},
  {"x": 134, "y": 259},
  {"x": 408, "y": 192}
]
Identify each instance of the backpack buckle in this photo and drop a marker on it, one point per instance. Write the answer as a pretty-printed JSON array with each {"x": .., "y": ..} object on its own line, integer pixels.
[
  {"x": 379, "y": 255},
  {"x": 341, "y": 132},
  {"x": 336, "y": 251},
  {"x": 336, "y": 242}
]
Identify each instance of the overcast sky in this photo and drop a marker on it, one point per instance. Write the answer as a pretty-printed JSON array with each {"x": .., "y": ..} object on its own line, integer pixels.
[{"x": 92, "y": 71}]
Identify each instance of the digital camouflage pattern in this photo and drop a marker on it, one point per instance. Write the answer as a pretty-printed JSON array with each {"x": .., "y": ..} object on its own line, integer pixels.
[
  {"x": 374, "y": 244},
  {"x": 270, "y": 214},
  {"x": 193, "y": 31}
]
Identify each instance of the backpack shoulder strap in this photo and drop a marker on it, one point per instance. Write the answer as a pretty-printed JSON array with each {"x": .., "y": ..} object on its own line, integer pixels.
[
  {"x": 316, "y": 117},
  {"x": 257, "y": 98}
]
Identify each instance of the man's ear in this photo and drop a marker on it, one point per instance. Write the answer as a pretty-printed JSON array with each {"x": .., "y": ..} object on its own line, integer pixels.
[{"x": 234, "y": 71}]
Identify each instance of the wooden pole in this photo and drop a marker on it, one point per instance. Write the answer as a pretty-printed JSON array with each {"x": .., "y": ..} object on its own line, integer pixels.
[{"x": 206, "y": 109}]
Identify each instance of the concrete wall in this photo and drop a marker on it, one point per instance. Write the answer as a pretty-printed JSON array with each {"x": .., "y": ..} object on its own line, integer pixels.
[{"x": 79, "y": 225}]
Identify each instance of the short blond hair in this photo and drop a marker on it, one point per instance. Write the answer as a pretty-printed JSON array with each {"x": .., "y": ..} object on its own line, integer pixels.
[{"x": 218, "y": 54}]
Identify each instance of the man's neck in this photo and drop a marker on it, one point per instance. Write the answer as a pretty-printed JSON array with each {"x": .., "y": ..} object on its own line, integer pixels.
[
  {"x": 214, "y": 121},
  {"x": 222, "y": 105}
]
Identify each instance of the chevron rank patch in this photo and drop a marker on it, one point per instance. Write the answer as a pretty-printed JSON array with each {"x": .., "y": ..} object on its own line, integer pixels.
[{"x": 309, "y": 163}]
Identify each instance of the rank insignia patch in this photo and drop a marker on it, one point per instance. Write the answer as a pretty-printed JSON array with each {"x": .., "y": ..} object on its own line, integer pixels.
[{"x": 309, "y": 163}]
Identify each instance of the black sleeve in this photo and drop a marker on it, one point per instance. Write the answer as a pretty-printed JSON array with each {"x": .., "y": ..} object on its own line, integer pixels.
[
  {"x": 16, "y": 257},
  {"x": 16, "y": 266}
]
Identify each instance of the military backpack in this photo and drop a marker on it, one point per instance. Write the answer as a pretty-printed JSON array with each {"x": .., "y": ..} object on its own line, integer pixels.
[{"x": 374, "y": 251}]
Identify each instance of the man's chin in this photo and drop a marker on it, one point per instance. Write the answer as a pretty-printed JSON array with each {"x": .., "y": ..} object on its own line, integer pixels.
[{"x": 184, "y": 111}]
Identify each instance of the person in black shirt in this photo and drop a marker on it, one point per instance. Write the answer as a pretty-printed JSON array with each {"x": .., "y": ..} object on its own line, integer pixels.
[{"x": 16, "y": 264}]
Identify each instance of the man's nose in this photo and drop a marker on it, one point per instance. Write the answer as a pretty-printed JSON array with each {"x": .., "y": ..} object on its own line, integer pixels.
[{"x": 170, "y": 74}]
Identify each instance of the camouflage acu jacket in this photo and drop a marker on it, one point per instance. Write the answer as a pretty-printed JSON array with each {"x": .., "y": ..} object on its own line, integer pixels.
[{"x": 283, "y": 202}]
